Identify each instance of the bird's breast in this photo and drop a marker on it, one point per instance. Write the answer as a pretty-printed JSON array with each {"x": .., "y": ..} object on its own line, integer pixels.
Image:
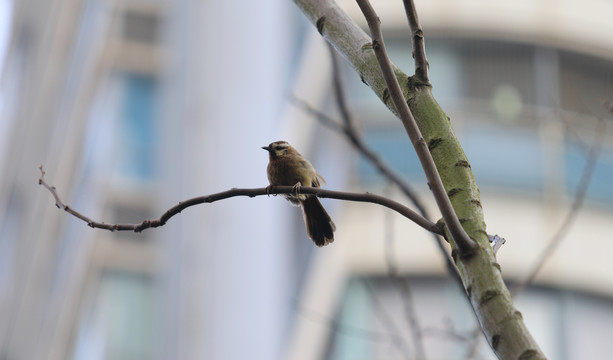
[{"x": 285, "y": 171}]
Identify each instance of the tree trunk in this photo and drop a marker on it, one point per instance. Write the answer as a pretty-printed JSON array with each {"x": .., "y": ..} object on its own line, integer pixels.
[{"x": 502, "y": 324}]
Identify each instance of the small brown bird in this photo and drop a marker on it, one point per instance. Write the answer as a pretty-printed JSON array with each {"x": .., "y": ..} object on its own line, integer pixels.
[{"x": 288, "y": 167}]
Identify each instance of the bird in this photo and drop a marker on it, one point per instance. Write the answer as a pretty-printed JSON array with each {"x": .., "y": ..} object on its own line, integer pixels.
[{"x": 287, "y": 167}]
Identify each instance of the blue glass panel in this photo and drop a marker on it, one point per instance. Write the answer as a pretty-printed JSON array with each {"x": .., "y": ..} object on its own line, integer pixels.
[
  {"x": 354, "y": 320},
  {"x": 498, "y": 155},
  {"x": 123, "y": 323},
  {"x": 504, "y": 156},
  {"x": 601, "y": 184},
  {"x": 396, "y": 149},
  {"x": 137, "y": 126}
]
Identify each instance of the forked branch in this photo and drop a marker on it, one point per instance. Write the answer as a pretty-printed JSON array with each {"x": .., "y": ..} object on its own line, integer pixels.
[
  {"x": 465, "y": 244},
  {"x": 349, "y": 129},
  {"x": 419, "y": 48}
]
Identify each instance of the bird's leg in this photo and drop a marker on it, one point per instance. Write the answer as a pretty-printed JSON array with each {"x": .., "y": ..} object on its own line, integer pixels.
[
  {"x": 268, "y": 190},
  {"x": 297, "y": 187}
]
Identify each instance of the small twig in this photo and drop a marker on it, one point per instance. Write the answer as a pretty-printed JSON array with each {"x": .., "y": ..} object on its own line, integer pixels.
[
  {"x": 571, "y": 216},
  {"x": 473, "y": 345},
  {"x": 387, "y": 321},
  {"x": 346, "y": 329},
  {"x": 272, "y": 190},
  {"x": 465, "y": 245},
  {"x": 358, "y": 143},
  {"x": 419, "y": 48},
  {"x": 446, "y": 332},
  {"x": 58, "y": 201},
  {"x": 322, "y": 117},
  {"x": 411, "y": 317},
  {"x": 404, "y": 290}
]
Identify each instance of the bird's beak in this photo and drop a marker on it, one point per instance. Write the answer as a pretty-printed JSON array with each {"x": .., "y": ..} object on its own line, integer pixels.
[{"x": 267, "y": 148}]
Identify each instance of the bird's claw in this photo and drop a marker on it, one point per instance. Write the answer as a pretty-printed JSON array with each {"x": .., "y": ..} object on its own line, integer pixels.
[{"x": 296, "y": 188}]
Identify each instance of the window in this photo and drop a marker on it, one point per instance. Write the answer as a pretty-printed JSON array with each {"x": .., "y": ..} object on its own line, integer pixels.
[
  {"x": 373, "y": 321},
  {"x": 137, "y": 127},
  {"x": 123, "y": 321},
  {"x": 141, "y": 27},
  {"x": 575, "y": 159},
  {"x": 501, "y": 98}
]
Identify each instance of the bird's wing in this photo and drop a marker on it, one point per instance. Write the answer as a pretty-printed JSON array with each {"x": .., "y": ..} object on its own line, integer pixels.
[{"x": 318, "y": 180}]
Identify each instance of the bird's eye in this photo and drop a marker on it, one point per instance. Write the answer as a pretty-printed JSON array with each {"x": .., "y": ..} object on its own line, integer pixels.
[{"x": 278, "y": 148}]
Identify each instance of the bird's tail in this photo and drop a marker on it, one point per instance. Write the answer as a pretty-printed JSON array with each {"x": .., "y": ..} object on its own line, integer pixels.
[{"x": 319, "y": 225}]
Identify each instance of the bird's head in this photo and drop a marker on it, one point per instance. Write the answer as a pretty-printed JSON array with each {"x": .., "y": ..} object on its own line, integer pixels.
[{"x": 278, "y": 149}]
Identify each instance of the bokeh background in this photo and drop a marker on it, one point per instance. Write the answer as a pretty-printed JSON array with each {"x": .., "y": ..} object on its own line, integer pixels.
[{"x": 135, "y": 105}]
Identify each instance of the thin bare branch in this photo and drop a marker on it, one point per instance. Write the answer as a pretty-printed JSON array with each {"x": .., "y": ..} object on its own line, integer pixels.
[
  {"x": 446, "y": 332},
  {"x": 271, "y": 190},
  {"x": 358, "y": 143},
  {"x": 412, "y": 319},
  {"x": 402, "y": 285},
  {"x": 465, "y": 245},
  {"x": 473, "y": 342},
  {"x": 387, "y": 321},
  {"x": 419, "y": 48},
  {"x": 322, "y": 117},
  {"x": 571, "y": 216},
  {"x": 347, "y": 329}
]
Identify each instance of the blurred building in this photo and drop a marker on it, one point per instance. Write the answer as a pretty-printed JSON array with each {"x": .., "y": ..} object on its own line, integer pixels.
[
  {"x": 523, "y": 85},
  {"x": 135, "y": 105}
]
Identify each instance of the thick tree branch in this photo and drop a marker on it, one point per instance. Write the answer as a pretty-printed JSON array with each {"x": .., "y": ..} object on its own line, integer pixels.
[
  {"x": 348, "y": 39},
  {"x": 465, "y": 245},
  {"x": 349, "y": 129},
  {"x": 501, "y": 323},
  {"x": 271, "y": 190},
  {"x": 355, "y": 46},
  {"x": 419, "y": 48}
]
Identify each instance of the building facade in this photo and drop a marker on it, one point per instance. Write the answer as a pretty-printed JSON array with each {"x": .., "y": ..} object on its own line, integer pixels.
[{"x": 134, "y": 105}]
